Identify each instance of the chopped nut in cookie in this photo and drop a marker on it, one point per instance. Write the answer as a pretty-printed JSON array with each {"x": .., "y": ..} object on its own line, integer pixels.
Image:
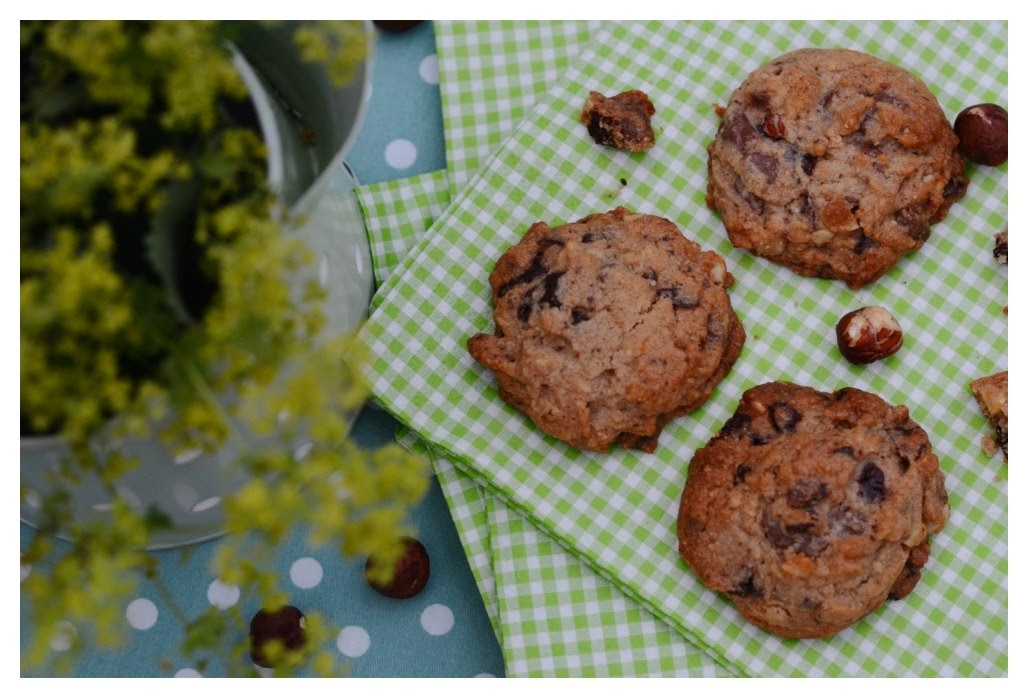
[{"x": 622, "y": 121}]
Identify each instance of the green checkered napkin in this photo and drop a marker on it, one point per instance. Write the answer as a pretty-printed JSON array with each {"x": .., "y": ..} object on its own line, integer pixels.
[
  {"x": 577, "y": 623},
  {"x": 607, "y": 508},
  {"x": 397, "y": 213},
  {"x": 491, "y": 73}
]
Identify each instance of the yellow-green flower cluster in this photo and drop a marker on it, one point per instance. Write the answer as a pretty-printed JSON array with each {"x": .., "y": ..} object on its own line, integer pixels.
[{"x": 158, "y": 284}]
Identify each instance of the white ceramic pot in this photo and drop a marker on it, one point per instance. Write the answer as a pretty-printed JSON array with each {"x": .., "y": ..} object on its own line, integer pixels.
[{"x": 311, "y": 177}]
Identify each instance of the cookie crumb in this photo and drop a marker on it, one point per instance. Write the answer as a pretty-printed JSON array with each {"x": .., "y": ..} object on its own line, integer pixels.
[
  {"x": 622, "y": 121},
  {"x": 1000, "y": 250},
  {"x": 989, "y": 445}
]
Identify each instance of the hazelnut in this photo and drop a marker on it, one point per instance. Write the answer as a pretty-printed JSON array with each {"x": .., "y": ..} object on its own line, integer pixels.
[
  {"x": 982, "y": 130},
  {"x": 868, "y": 334},
  {"x": 410, "y": 574},
  {"x": 396, "y": 25},
  {"x": 285, "y": 624}
]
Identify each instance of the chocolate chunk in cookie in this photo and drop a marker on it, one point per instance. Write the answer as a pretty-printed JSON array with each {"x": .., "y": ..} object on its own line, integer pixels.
[
  {"x": 609, "y": 327},
  {"x": 821, "y": 522},
  {"x": 834, "y": 164},
  {"x": 622, "y": 121}
]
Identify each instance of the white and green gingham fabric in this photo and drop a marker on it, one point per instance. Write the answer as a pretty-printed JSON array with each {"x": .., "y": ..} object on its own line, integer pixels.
[
  {"x": 616, "y": 511},
  {"x": 589, "y": 642}
]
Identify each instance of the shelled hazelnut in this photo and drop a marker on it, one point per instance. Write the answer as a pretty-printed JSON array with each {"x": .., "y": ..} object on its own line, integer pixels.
[
  {"x": 286, "y": 625},
  {"x": 982, "y": 130},
  {"x": 410, "y": 575},
  {"x": 868, "y": 334}
]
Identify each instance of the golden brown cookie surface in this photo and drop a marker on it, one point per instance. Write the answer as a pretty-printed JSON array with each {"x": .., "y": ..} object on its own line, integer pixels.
[
  {"x": 834, "y": 164},
  {"x": 608, "y": 327},
  {"x": 810, "y": 509}
]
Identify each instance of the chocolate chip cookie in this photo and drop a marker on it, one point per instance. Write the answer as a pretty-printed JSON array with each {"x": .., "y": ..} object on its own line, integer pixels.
[
  {"x": 810, "y": 509},
  {"x": 834, "y": 164},
  {"x": 608, "y": 327}
]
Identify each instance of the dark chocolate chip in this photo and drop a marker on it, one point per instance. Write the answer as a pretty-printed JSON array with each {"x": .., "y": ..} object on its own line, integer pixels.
[
  {"x": 649, "y": 275},
  {"x": 808, "y": 163},
  {"x": 286, "y": 625},
  {"x": 760, "y": 99},
  {"x": 678, "y": 299},
  {"x": 955, "y": 188},
  {"x": 913, "y": 218},
  {"x": 550, "y": 287},
  {"x": 598, "y": 130},
  {"x": 773, "y": 531},
  {"x": 999, "y": 252},
  {"x": 872, "y": 483},
  {"x": 747, "y": 588},
  {"x": 736, "y": 424},
  {"x": 759, "y": 439},
  {"x": 740, "y": 474},
  {"x": 826, "y": 102},
  {"x": 846, "y": 450},
  {"x": 579, "y": 315},
  {"x": 739, "y": 130},
  {"x": 784, "y": 417},
  {"x": 767, "y": 164},
  {"x": 806, "y": 492},
  {"x": 589, "y": 237},
  {"x": 535, "y": 269},
  {"x": 864, "y": 243},
  {"x": 525, "y": 309}
]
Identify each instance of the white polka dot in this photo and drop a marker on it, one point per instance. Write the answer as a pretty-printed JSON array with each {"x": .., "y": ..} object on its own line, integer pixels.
[
  {"x": 353, "y": 641},
  {"x": 26, "y": 570},
  {"x": 306, "y": 573},
  {"x": 485, "y": 675},
  {"x": 141, "y": 614},
  {"x": 188, "y": 673},
  {"x": 401, "y": 154},
  {"x": 429, "y": 69},
  {"x": 63, "y": 637},
  {"x": 437, "y": 619},
  {"x": 222, "y": 595}
]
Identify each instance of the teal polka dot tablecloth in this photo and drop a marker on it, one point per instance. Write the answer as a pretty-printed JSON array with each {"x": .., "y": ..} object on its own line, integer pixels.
[{"x": 442, "y": 632}]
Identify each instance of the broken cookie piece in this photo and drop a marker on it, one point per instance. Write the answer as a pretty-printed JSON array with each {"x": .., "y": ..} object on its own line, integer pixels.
[
  {"x": 1000, "y": 250},
  {"x": 991, "y": 394},
  {"x": 622, "y": 121}
]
